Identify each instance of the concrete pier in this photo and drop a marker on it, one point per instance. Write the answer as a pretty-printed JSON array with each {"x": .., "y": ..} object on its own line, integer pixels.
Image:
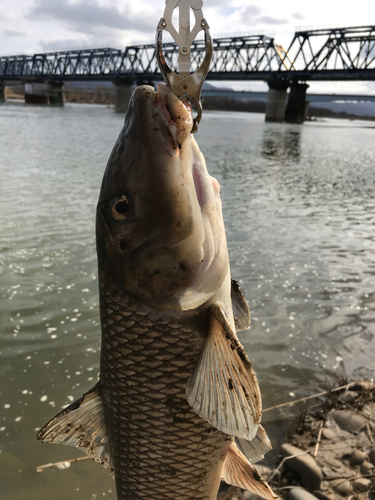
[
  {"x": 2, "y": 92},
  {"x": 297, "y": 107},
  {"x": 36, "y": 93},
  {"x": 122, "y": 96},
  {"x": 276, "y": 100},
  {"x": 56, "y": 93}
]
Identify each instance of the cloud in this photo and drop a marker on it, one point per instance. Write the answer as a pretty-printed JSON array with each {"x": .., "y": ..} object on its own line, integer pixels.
[
  {"x": 271, "y": 20},
  {"x": 250, "y": 12},
  {"x": 12, "y": 33},
  {"x": 298, "y": 15},
  {"x": 66, "y": 44},
  {"x": 88, "y": 16},
  {"x": 254, "y": 16}
]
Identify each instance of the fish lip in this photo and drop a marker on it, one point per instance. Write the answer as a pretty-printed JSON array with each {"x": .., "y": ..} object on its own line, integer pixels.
[{"x": 176, "y": 113}]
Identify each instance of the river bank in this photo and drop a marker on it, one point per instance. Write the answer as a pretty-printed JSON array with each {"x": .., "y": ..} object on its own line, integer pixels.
[
  {"x": 330, "y": 453},
  {"x": 106, "y": 96}
]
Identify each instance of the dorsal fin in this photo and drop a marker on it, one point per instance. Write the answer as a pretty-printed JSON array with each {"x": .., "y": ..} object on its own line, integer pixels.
[
  {"x": 239, "y": 472},
  {"x": 223, "y": 388},
  {"x": 241, "y": 311},
  {"x": 81, "y": 424}
]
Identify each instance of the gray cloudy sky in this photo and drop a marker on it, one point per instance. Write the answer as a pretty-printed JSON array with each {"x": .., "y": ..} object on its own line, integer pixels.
[{"x": 28, "y": 26}]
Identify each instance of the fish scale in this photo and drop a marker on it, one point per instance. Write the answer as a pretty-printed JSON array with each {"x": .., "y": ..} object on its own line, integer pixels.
[{"x": 153, "y": 431}]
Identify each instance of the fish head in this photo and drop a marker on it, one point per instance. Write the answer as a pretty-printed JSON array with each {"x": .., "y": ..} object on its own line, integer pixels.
[{"x": 160, "y": 230}]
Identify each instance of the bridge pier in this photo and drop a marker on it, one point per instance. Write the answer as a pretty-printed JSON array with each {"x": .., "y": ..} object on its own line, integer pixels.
[
  {"x": 297, "y": 107},
  {"x": 56, "y": 93},
  {"x": 2, "y": 92},
  {"x": 122, "y": 96},
  {"x": 276, "y": 100},
  {"x": 36, "y": 93}
]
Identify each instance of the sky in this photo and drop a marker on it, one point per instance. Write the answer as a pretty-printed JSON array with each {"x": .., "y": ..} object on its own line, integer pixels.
[{"x": 29, "y": 26}]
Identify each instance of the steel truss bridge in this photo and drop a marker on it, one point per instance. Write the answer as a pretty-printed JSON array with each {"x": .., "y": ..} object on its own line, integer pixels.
[{"x": 322, "y": 54}]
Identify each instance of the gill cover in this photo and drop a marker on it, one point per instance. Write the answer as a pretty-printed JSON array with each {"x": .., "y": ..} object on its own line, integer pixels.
[{"x": 160, "y": 232}]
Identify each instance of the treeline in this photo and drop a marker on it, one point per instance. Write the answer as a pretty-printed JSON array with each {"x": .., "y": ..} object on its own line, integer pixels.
[
  {"x": 227, "y": 104},
  {"x": 97, "y": 96}
]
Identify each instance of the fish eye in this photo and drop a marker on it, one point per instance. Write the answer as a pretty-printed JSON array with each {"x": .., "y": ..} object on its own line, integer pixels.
[{"x": 120, "y": 208}]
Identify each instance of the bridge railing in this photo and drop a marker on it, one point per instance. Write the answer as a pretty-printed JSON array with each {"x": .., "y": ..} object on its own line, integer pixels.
[
  {"x": 333, "y": 49},
  {"x": 230, "y": 55},
  {"x": 337, "y": 53}
]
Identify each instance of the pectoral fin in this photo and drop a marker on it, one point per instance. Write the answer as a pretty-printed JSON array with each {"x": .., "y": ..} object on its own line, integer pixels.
[
  {"x": 82, "y": 425},
  {"x": 256, "y": 449},
  {"x": 223, "y": 388},
  {"x": 239, "y": 472},
  {"x": 241, "y": 311}
]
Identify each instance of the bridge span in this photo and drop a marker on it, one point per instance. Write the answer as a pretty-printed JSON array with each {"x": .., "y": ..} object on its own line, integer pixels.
[{"x": 324, "y": 54}]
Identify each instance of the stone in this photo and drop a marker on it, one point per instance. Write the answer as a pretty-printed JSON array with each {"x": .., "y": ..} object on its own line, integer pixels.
[
  {"x": 330, "y": 495},
  {"x": 300, "y": 494},
  {"x": 327, "y": 472},
  {"x": 357, "y": 457},
  {"x": 328, "y": 458},
  {"x": 371, "y": 456},
  {"x": 327, "y": 433},
  {"x": 349, "y": 420},
  {"x": 304, "y": 465},
  {"x": 349, "y": 396},
  {"x": 342, "y": 486},
  {"x": 362, "y": 484},
  {"x": 367, "y": 468},
  {"x": 365, "y": 385}
]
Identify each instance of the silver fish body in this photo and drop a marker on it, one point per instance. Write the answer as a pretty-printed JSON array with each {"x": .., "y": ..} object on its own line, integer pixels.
[{"x": 175, "y": 384}]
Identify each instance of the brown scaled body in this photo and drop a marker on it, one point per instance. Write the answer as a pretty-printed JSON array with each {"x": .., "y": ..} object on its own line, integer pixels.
[{"x": 161, "y": 448}]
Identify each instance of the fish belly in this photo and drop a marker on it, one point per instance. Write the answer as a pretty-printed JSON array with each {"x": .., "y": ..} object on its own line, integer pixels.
[{"x": 161, "y": 448}]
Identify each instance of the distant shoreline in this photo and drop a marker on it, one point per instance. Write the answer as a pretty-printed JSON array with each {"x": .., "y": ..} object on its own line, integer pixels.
[{"x": 107, "y": 97}]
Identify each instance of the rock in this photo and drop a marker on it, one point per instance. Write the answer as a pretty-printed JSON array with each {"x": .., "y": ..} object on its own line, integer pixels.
[
  {"x": 357, "y": 457},
  {"x": 349, "y": 420},
  {"x": 327, "y": 472},
  {"x": 362, "y": 484},
  {"x": 304, "y": 464},
  {"x": 367, "y": 468},
  {"x": 230, "y": 493},
  {"x": 349, "y": 396},
  {"x": 371, "y": 456},
  {"x": 342, "y": 486},
  {"x": 300, "y": 494},
  {"x": 327, "y": 433},
  {"x": 249, "y": 495},
  {"x": 328, "y": 458},
  {"x": 365, "y": 385},
  {"x": 325, "y": 496}
]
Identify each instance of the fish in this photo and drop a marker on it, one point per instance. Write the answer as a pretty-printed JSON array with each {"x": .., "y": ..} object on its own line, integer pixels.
[{"x": 177, "y": 392}]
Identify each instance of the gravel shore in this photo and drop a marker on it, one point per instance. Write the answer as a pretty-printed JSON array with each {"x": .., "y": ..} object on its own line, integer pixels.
[{"x": 331, "y": 453}]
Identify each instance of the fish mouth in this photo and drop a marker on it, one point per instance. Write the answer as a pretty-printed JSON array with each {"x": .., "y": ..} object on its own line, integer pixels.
[{"x": 175, "y": 114}]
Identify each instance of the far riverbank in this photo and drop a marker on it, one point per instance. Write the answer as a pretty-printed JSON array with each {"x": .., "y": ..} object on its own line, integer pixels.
[{"x": 106, "y": 96}]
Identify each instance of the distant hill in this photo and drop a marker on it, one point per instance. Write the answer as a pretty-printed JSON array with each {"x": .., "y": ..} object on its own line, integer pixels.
[{"x": 351, "y": 108}]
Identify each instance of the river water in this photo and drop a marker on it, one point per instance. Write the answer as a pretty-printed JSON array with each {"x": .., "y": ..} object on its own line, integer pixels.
[{"x": 299, "y": 208}]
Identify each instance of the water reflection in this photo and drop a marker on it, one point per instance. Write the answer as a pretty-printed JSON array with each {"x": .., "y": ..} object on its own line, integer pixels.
[{"x": 281, "y": 142}]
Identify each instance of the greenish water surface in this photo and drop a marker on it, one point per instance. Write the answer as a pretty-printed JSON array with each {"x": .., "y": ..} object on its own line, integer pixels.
[{"x": 299, "y": 208}]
